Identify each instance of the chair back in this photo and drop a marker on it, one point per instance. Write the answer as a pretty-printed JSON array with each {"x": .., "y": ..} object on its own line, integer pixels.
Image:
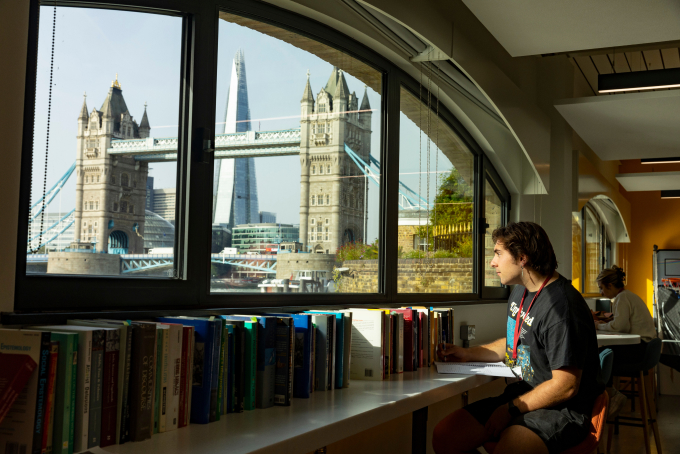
[
  {"x": 606, "y": 363},
  {"x": 652, "y": 354}
]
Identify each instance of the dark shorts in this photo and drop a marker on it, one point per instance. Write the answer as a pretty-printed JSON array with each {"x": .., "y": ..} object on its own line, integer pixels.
[{"x": 559, "y": 429}]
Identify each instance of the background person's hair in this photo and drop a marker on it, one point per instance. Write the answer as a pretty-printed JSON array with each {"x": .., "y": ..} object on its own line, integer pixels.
[
  {"x": 528, "y": 238},
  {"x": 614, "y": 276}
]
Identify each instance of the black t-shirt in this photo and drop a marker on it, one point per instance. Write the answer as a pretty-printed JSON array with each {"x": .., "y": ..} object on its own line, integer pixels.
[{"x": 557, "y": 332}]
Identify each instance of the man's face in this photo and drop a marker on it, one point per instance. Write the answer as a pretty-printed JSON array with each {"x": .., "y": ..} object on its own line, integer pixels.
[{"x": 508, "y": 269}]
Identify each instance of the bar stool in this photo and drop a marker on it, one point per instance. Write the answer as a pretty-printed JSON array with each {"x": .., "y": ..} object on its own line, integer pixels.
[
  {"x": 598, "y": 416},
  {"x": 640, "y": 372}
]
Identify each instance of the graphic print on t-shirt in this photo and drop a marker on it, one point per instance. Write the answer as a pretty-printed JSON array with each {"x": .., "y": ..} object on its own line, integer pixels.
[{"x": 523, "y": 352}]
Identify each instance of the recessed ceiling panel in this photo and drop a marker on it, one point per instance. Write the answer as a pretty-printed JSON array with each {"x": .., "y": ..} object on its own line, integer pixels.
[
  {"x": 534, "y": 27},
  {"x": 650, "y": 181},
  {"x": 627, "y": 126}
]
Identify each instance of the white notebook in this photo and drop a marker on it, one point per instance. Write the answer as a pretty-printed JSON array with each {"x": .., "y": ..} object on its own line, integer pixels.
[{"x": 492, "y": 369}]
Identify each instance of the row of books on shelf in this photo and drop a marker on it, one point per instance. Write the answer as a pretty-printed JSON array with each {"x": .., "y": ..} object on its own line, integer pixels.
[{"x": 68, "y": 388}]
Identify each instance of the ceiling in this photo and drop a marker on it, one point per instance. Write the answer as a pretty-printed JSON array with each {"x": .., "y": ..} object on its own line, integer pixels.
[
  {"x": 627, "y": 126},
  {"x": 650, "y": 181},
  {"x": 537, "y": 27}
]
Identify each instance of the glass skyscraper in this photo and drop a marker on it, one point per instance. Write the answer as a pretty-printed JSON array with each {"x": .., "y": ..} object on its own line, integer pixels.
[{"x": 235, "y": 198}]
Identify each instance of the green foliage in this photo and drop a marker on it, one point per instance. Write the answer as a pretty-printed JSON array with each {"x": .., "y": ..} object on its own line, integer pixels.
[{"x": 357, "y": 250}]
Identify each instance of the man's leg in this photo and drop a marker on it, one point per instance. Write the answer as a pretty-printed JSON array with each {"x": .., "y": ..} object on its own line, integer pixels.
[
  {"x": 520, "y": 440},
  {"x": 458, "y": 433}
]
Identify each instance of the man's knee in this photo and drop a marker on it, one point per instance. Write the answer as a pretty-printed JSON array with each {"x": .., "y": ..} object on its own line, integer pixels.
[
  {"x": 457, "y": 432},
  {"x": 520, "y": 439}
]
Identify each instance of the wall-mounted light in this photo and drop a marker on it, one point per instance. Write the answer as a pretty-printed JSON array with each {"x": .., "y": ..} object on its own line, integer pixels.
[
  {"x": 670, "y": 194},
  {"x": 660, "y": 161},
  {"x": 639, "y": 80}
]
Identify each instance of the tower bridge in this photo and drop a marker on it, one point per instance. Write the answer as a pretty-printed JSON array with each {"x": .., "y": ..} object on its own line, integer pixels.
[{"x": 113, "y": 154}]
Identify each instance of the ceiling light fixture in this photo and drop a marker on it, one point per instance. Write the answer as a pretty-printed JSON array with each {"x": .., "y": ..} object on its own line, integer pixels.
[
  {"x": 660, "y": 161},
  {"x": 670, "y": 194},
  {"x": 639, "y": 80}
]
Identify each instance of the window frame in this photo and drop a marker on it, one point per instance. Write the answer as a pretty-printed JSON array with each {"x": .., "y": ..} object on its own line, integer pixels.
[{"x": 190, "y": 286}]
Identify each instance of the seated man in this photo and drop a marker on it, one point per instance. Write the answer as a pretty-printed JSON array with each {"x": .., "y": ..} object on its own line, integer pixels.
[{"x": 550, "y": 334}]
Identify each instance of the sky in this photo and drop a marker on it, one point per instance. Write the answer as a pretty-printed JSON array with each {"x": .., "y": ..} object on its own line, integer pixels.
[{"x": 92, "y": 46}]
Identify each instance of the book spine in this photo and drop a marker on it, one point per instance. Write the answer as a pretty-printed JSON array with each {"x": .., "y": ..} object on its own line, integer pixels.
[
  {"x": 239, "y": 376},
  {"x": 400, "y": 347},
  {"x": 281, "y": 384},
  {"x": 231, "y": 363},
  {"x": 291, "y": 340},
  {"x": 220, "y": 374},
  {"x": 13, "y": 389},
  {"x": 183, "y": 378},
  {"x": 40, "y": 406},
  {"x": 152, "y": 381},
  {"x": 122, "y": 352},
  {"x": 190, "y": 368},
  {"x": 331, "y": 352},
  {"x": 72, "y": 382},
  {"x": 172, "y": 419},
  {"x": 250, "y": 366},
  {"x": 125, "y": 411},
  {"x": 84, "y": 379},
  {"x": 96, "y": 390},
  {"x": 110, "y": 388},
  {"x": 49, "y": 409},
  {"x": 142, "y": 371},
  {"x": 158, "y": 367},
  {"x": 165, "y": 378},
  {"x": 348, "y": 349},
  {"x": 315, "y": 335},
  {"x": 214, "y": 370}
]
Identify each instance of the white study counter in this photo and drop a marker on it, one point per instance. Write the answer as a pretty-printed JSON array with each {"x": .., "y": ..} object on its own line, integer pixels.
[{"x": 309, "y": 424}]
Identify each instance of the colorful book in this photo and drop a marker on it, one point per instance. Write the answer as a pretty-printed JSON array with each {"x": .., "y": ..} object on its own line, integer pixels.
[
  {"x": 142, "y": 380},
  {"x": 41, "y": 404},
  {"x": 83, "y": 379},
  {"x": 410, "y": 334},
  {"x": 65, "y": 392},
  {"x": 367, "y": 339},
  {"x": 250, "y": 361},
  {"x": 17, "y": 428},
  {"x": 302, "y": 372},
  {"x": 340, "y": 344},
  {"x": 15, "y": 371},
  {"x": 49, "y": 410},
  {"x": 124, "y": 362},
  {"x": 325, "y": 352},
  {"x": 204, "y": 339}
]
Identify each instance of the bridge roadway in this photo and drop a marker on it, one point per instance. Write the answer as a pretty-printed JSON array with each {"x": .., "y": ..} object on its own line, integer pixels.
[
  {"x": 249, "y": 144},
  {"x": 131, "y": 263}
]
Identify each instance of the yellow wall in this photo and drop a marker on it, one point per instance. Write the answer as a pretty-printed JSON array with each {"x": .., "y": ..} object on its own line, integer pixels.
[{"x": 654, "y": 221}]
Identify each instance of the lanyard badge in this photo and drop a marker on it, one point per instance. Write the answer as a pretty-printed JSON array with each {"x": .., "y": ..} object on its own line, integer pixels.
[{"x": 519, "y": 321}]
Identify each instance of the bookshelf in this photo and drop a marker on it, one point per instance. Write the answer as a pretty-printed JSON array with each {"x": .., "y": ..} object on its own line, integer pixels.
[{"x": 309, "y": 424}]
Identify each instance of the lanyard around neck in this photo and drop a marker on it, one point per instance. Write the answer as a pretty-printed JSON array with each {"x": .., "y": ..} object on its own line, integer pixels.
[{"x": 520, "y": 320}]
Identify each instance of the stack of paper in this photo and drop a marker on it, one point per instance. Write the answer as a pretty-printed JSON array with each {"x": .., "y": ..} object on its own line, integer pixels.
[{"x": 492, "y": 369}]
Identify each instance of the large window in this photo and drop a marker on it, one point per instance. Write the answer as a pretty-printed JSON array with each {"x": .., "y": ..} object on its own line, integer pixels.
[
  {"x": 301, "y": 143},
  {"x": 94, "y": 159},
  {"x": 436, "y": 201},
  {"x": 591, "y": 248},
  {"x": 241, "y": 157}
]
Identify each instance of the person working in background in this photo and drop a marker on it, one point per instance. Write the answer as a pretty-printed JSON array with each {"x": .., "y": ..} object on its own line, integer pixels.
[
  {"x": 631, "y": 316},
  {"x": 550, "y": 334}
]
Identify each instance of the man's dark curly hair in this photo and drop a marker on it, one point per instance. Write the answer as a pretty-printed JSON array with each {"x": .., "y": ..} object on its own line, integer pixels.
[{"x": 528, "y": 238}]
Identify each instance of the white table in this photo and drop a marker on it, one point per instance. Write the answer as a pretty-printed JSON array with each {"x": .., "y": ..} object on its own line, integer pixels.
[
  {"x": 309, "y": 424},
  {"x": 617, "y": 339}
]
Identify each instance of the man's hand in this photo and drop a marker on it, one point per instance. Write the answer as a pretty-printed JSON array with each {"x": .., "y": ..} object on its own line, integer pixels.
[
  {"x": 451, "y": 353},
  {"x": 498, "y": 421}
]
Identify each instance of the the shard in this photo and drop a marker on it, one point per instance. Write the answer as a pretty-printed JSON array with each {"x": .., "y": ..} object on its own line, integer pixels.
[{"x": 235, "y": 198}]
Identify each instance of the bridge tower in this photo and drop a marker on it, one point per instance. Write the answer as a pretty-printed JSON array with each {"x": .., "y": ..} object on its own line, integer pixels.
[
  {"x": 332, "y": 189},
  {"x": 110, "y": 191}
]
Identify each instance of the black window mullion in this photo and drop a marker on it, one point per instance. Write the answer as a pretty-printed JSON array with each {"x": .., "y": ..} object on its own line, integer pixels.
[{"x": 389, "y": 183}]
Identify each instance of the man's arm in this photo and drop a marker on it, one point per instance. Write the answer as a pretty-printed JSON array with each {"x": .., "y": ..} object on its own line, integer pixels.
[
  {"x": 489, "y": 353},
  {"x": 561, "y": 387}
]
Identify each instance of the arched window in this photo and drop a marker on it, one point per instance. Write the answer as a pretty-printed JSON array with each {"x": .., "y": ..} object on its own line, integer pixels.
[
  {"x": 97, "y": 178},
  {"x": 123, "y": 207},
  {"x": 313, "y": 200},
  {"x": 322, "y": 107},
  {"x": 86, "y": 179},
  {"x": 326, "y": 233},
  {"x": 328, "y": 169},
  {"x": 328, "y": 199},
  {"x": 313, "y": 220},
  {"x": 328, "y": 221},
  {"x": 125, "y": 180},
  {"x": 321, "y": 170},
  {"x": 96, "y": 206}
]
